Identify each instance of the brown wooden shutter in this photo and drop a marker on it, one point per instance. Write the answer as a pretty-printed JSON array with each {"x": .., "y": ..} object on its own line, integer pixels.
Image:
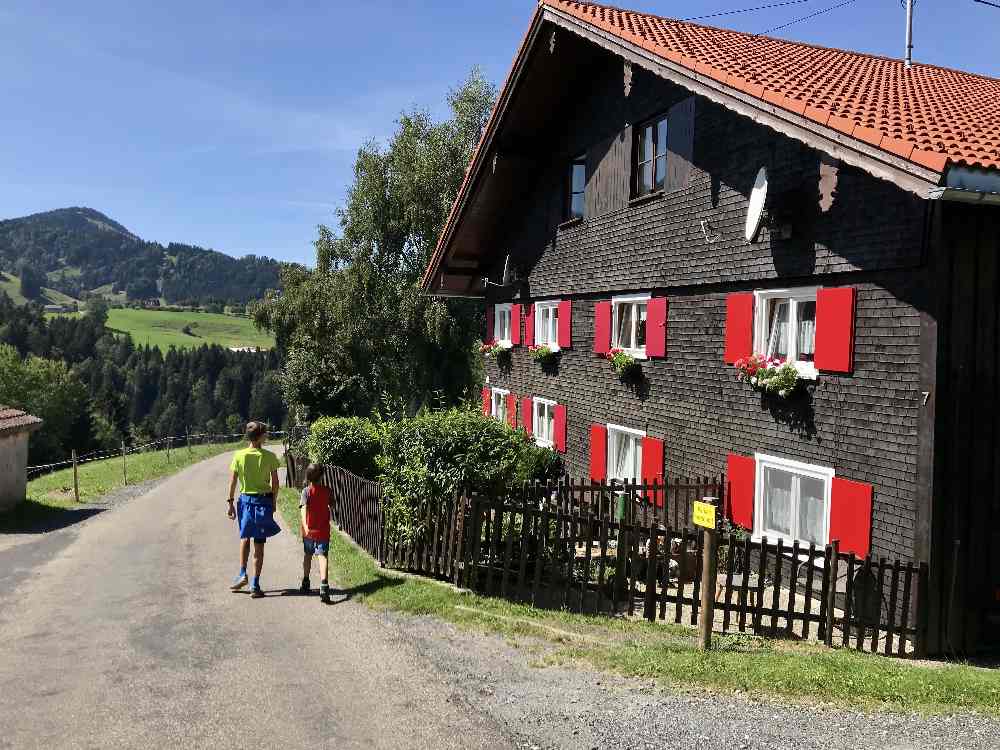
[{"x": 680, "y": 144}]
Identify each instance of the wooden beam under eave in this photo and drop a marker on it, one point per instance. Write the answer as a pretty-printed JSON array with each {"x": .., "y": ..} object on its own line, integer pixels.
[{"x": 458, "y": 285}]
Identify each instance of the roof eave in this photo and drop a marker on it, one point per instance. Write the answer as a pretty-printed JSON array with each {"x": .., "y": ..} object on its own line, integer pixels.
[{"x": 856, "y": 152}]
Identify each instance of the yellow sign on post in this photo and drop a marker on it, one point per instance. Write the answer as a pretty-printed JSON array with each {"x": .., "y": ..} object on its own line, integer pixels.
[{"x": 704, "y": 514}]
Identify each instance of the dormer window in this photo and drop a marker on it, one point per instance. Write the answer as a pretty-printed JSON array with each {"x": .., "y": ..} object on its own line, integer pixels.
[{"x": 577, "y": 187}]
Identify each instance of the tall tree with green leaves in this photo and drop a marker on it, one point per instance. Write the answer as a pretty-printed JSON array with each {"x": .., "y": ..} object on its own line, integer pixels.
[{"x": 357, "y": 331}]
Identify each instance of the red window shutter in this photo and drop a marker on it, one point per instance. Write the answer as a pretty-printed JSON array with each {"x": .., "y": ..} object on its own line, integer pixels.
[
  {"x": 602, "y": 327},
  {"x": 529, "y": 325},
  {"x": 652, "y": 465},
  {"x": 851, "y": 515},
  {"x": 739, "y": 327},
  {"x": 488, "y": 338},
  {"x": 559, "y": 427},
  {"x": 656, "y": 327},
  {"x": 487, "y": 402},
  {"x": 565, "y": 332},
  {"x": 512, "y": 409},
  {"x": 598, "y": 452},
  {"x": 741, "y": 472},
  {"x": 835, "y": 329},
  {"x": 515, "y": 325},
  {"x": 527, "y": 407}
]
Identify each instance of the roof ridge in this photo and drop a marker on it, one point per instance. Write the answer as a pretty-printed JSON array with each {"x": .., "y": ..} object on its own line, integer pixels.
[{"x": 751, "y": 35}]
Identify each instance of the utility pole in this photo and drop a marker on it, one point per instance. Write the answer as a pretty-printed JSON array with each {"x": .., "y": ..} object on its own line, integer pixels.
[{"x": 909, "y": 33}]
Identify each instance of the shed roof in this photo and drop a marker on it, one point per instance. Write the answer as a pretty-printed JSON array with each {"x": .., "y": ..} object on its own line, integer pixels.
[{"x": 13, "y": 421}]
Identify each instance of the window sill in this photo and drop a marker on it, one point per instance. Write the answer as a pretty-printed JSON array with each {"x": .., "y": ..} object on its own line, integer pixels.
[
  {"x": 806, "y": 370},
  {"x": 571, "y": 223},
  {"x": 544, "y": 443},
  {"x": 646, "y": 198}
]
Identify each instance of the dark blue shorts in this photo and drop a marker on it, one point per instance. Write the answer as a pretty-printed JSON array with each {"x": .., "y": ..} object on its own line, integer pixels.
[{"x": 312, "y": 547}]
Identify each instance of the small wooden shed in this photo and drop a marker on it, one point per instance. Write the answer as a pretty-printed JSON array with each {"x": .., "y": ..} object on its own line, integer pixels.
[{"x": 15, "y": 426}]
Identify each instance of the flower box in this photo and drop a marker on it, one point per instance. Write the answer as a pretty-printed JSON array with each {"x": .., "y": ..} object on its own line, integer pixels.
[
  {"x": 622, "y": 362},
  {"x": 768, "y": 375},
  {"x": 542, "y": 354}
]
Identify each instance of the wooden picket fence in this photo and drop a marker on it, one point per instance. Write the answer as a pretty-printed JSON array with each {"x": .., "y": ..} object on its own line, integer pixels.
[{"x": 630, "y": 549}]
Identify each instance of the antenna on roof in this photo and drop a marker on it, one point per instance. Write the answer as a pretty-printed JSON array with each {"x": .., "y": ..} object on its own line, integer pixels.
[
  {"x": 506, "y": 279},
  {"x": 909, "y": 33}
]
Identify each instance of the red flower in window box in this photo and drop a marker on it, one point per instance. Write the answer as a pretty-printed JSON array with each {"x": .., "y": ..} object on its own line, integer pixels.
[
  {"x": 621, "y": 361},
  {"x": 768, "y": 374}
]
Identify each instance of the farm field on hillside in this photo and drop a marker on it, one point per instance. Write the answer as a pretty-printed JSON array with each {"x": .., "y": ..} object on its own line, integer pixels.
[
  {"x": 12, "y": 285},
  {"x": 165, "y": 329}
]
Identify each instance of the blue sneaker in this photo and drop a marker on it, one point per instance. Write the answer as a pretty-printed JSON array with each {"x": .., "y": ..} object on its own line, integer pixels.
[{"x": 240, "y": 581}]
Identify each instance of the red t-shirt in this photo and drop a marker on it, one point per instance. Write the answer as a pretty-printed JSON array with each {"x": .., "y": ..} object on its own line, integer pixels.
[{"x": 316, "y": 500}]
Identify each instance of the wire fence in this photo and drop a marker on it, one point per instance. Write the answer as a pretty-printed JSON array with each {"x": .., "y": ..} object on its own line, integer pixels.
[{"x": 164, "y": 443}]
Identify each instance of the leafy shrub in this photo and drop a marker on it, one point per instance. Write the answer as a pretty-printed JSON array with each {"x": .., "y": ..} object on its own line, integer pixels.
[
  {"x": 353, "y": 443},
  {"x": 428, "y": 458}
]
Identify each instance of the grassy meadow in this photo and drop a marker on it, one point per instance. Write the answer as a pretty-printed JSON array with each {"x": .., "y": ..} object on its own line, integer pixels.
[
  {"x": 668, "y": 653},
  {"x": 12, "y": 285},
  {"x": 164, "y": 329}
]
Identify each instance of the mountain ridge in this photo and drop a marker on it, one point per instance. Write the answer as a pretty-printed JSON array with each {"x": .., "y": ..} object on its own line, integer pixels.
[{"x": 82, "y": 252}]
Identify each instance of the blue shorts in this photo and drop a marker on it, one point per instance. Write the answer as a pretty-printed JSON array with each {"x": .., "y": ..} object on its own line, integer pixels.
[
  {"x": 312, "y": 547},
  {"x": 255, "y": 515}
]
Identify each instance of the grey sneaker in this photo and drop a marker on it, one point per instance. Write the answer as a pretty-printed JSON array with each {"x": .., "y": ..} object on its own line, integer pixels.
[{"x": 239, "y": 582}]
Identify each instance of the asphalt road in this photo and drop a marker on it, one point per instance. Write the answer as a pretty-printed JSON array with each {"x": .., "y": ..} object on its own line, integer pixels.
[{"x": 128, "y": 636}]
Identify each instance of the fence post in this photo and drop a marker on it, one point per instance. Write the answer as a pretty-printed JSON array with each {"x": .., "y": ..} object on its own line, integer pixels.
[
  {"x": 709, "y": 563},
  {"x": 76, "y": 479},
  {"x": 124, "y": 468},
  {"x": 831, "y": 593},
  {"x": 170, "y": 440}
]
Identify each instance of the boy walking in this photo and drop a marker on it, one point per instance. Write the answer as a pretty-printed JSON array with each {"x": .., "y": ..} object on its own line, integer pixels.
[
  {"x": 314, "y": 507},
  {"x": 256, "y": 470}
]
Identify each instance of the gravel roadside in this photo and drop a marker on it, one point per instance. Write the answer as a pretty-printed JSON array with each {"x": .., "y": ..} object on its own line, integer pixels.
[{"x": 558, "y": 707}]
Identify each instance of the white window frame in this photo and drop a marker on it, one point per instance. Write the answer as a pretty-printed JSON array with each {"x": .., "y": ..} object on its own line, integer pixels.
[
  {"x": 507, "y": 308},
  {"x": 640, "y": 434},
  {"x": 823, "y": 473},
  {"x": 538, "y": 408},
  {"x": 553, "y": 343},
  {"x": 760, "y": 328},
  {"x": 616, "y": 302},
  {"x": 502, "y": 416}
]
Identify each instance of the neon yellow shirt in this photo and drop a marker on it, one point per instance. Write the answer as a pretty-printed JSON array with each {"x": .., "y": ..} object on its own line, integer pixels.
[{"x": 253, "y": 466}]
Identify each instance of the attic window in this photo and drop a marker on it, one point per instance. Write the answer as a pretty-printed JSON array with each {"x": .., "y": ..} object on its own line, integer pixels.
[
  {"x": 577, "y": 186},
  {"x": 651, "y": 156}
]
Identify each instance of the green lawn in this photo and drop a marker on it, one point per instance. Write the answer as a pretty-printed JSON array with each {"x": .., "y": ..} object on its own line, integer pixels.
[
  {"x": 12, "y": 285},
  {"x": 667, "y": 652},
  {"x": 165, "y": 329},
  {"x": 50, "y": 502}
]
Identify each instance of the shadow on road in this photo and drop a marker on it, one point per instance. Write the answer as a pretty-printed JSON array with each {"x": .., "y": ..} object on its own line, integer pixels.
[
  {"x": 338, "y": 596},
  {"x": 32, "y": 517}
]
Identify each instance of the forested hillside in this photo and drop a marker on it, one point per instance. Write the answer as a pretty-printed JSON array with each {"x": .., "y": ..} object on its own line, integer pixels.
[
  {"x": 94, "y": 388},
  {"x": 80, "y": 251}
]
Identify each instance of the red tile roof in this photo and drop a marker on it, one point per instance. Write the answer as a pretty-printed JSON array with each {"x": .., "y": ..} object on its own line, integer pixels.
[
  {"x": 14, "y": 420},
  {"x": 927, "y": 115}
]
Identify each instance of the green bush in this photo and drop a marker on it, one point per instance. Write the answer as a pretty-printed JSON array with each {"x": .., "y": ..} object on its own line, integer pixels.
[
  {"x": 352, "y": 443},
  {"x": 428, "y": 458}
]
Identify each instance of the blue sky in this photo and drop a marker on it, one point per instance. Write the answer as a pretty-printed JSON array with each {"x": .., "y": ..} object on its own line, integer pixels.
[{"x": 234, "y": 125}]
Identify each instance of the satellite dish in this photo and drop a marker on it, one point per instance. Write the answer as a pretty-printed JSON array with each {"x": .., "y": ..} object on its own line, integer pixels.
[{"x": 755, "y": 213}]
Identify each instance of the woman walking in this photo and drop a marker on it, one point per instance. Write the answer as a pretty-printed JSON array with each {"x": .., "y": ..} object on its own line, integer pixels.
[{"x": 256, "y": 470}]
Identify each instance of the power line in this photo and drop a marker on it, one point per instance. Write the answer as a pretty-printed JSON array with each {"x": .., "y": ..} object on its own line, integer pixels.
[
  {"x": 987, "y": 2},
  {"x": 811, "y": 15},
  {"x": 746, "y": 10}
]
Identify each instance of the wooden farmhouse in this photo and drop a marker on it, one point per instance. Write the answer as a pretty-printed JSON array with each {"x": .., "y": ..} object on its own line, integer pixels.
[{"x": 694, "y": 196}]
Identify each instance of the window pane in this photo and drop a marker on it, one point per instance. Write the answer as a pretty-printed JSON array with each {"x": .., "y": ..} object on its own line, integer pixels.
[
  {"x": 623, "y": 333},
  {"x": 661, "y": 137},
  {"x": 646, "y": 144},
  {"x": 579, "y": 177},
  {"x": 636, "y": 457},
  {"x": 661, "y": 172},
  {"x": 646, "y": 177},
  {"x": 553, "y": 324},
  {"x": 549, "y": 422},
  {"x": 777, "y": 344},
  {"x": 806, "y": 343},
  {"x": 576, "y": 207},
  {"x": 778, "y": 501},
  {"x": 811, "y": 506},
  {"x": 640, "y": 329}
]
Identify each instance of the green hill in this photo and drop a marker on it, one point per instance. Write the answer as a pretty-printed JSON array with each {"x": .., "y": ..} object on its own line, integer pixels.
[
  {"x": 187, "y": 329},
  {"x": 12, "y": 286},
  {"x": 79, "y": 250}
]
